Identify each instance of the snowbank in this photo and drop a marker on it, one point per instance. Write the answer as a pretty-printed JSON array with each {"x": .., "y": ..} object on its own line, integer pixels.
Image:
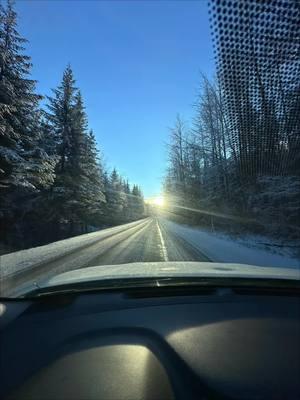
[{"x": 222, "y": 248}]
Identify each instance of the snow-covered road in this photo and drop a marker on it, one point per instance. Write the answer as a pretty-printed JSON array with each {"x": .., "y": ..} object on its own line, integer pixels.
[
  {"x": 144, "y": 240},
  {"x": 147, "y": 240}
]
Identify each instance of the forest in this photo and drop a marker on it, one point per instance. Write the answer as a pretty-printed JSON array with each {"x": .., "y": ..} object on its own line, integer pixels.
[
  {"x": 53, "y": 182},
  {"x": 236, "y": 165}
]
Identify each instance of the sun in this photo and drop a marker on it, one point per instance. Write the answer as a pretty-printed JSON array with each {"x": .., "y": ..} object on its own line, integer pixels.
[{"x": 158, "y": 201}]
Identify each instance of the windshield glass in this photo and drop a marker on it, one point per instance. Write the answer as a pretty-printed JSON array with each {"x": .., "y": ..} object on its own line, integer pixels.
[{"x": 148, "y": 132}]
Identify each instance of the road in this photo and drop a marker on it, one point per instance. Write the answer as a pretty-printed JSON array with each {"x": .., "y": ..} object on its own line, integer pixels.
[
  {"x": 149, "y": 242},
  {"x": 146, "y": 240}
]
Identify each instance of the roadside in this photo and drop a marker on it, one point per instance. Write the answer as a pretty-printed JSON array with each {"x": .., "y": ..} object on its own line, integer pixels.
[{"x": 220, "y": 247}]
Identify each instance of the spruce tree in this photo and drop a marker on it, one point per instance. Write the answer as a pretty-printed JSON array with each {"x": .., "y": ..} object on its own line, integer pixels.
[
  {"x": 22, "y": 163},
  {"x": 25, "y": 168},
  {"x": 115, "y": 198},
  {"x": 92, "y": 185},
  {"x": 77, "y": 196},
  {"x": 137, "y": 203},
  {"x": 61, "y": 117}
]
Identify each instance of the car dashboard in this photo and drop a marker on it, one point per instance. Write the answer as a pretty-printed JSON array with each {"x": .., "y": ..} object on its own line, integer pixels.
[{"x": 152, "y": 344}]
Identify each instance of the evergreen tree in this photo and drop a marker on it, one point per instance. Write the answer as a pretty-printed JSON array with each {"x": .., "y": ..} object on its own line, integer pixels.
[
  {"x": 25, "y": 167},
  {"x": 137, "y": 203},
  {"x": 114, "y": 198},
  {"x": 92, "y": 185},
  {"x": 61, "y": 120},
  {"x": 22, "y": 164},
  {"x": 78, "y": 189},
  {"x": 127, "y": 187},
  {"x": 61, "y": 116}
]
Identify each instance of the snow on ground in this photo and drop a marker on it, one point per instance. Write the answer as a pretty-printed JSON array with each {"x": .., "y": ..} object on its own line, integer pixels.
[
  {"x": 222, "y": 248},
  {"x": 217, "y": 247},
  {"x": 20, "y": 260}
]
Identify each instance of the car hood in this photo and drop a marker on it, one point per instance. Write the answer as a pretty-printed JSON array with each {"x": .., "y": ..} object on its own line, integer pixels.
[{"x": 171, "y": 269}]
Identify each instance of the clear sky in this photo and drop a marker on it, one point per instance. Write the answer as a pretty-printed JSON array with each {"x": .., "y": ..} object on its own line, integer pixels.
[{"x": 137, "y": 63}]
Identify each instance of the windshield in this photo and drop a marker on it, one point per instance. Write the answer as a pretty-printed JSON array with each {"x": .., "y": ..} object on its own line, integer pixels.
[{"x": 136, "y": 132}]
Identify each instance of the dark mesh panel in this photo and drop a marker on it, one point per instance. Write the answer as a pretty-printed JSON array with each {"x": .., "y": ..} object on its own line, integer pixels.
[{"x": 257, "y": 50}]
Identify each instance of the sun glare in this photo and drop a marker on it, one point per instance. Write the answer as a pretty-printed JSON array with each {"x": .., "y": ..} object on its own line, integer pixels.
[{"x": 158, "y": 201}]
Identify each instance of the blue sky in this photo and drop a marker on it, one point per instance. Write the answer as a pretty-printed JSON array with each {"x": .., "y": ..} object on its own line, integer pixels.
[{"x": 137, "y": 63}]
